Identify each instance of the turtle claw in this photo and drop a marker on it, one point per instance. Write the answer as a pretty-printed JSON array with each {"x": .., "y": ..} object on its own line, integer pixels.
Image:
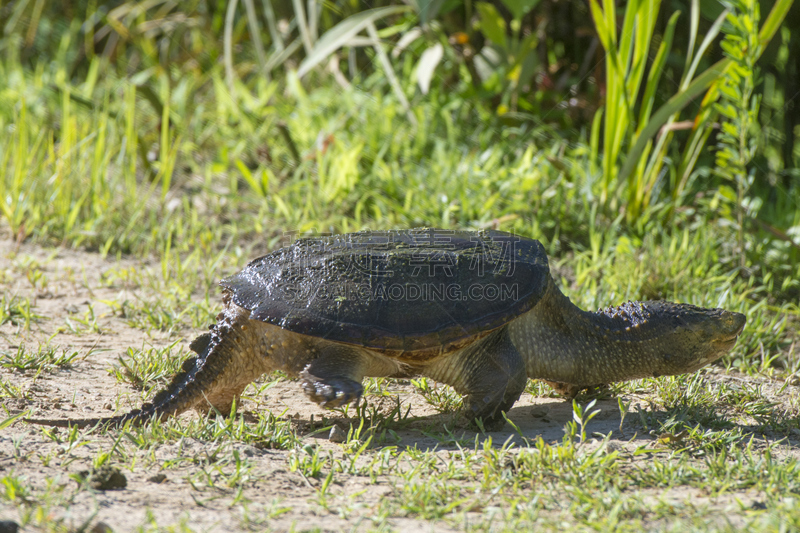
[
  {"x": 570, "y": 391},
  {"x": 490, "y": 424},
  {"x": 330, "y": 392},
  {"x": 491, "y": 419}
]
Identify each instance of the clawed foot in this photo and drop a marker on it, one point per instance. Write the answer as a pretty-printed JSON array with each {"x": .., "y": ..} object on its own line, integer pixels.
[
  {"x": 330, "y": 392},
  {"x": 495, "y": 423},
  {"x": 488, "y": 412},
  {"x": 569, "y": 391}
]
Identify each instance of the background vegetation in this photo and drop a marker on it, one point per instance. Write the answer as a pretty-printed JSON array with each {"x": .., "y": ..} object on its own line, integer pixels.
[
  {"x": 651, "y": 146},
  {"x": 118, "y": 114},
  {"x": 159, "y": 127}
]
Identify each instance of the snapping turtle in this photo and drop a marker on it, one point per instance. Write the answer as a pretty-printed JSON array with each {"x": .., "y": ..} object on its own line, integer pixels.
[{"x": 477, "y": 310}]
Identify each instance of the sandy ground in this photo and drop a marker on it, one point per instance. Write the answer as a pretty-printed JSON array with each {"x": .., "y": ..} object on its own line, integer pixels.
[{"x": 275, "y": 497}]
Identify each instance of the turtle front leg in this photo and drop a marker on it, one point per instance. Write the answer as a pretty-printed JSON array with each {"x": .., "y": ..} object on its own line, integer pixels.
[
  {"x": 489, "y": 373},
  {"x": 334, "y": 378}
]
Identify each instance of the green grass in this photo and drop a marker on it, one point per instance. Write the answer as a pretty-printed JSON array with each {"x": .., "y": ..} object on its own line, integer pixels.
[
  {"x": 709, "y": 440},
  {"x": 45, "y": 357},
  {"x": 16, "y": 311},
  {"x": 145, "y": 368},
  {"x": 536, "y": 484},
  {"x": 87, "y": 161}
]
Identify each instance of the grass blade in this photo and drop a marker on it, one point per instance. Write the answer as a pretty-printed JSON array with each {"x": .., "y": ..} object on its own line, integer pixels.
[
  {"x": 302, "y": 25},
  {"x": 255, "y": 33},
  {"x": 709, "y": 38},
  {"x": 774, "y": 21},
  {"x": 389, "y": 71},
  {"x": 228, "y": 44},
  {"x": 674, "y": 105},
  {"x": 701, "y": 83},
  {"x": 694, "y": 23},
  {"x": 272, "y": 25},
  {"x": 337, "y": 36},
  {"x": 656, "y": 69},
  {"x": 427, "y": 66}
]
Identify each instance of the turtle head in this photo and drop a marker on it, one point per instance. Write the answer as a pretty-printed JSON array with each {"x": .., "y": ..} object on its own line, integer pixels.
[{"x": 693, "y": 336}]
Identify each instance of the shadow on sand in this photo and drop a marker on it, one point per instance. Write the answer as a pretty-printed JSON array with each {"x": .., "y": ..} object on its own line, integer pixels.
[{"x": 548, "y": 418}]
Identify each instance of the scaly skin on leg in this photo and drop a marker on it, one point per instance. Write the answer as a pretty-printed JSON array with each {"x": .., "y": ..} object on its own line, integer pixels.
[
  {"x": 489, "y": 373},
  {"x": 334, "y": 377}
]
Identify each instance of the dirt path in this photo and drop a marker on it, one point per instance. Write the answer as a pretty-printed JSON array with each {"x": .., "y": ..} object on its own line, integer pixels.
[{"x": 205, "y": 482}]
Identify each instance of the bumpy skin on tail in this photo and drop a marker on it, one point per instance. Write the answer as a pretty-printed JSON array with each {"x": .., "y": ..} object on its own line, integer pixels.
[
  {"x": 179, "y": 396},
  {"x": 223, "y": 367}
]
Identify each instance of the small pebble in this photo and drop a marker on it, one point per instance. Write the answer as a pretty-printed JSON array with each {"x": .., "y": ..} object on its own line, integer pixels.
[
  {"x": 158, "y": 478},
  {"x": 605, "y": 414},
  {"x": 105, "y": 478},
  {"x": 337, "y": 435},
  {"x": 540, "y": 411},
  {"x": 101, "y": 527},
  {"x": 8, "y": 526},
  {"x": 613, "y": 447},
  {"x": 250, "y": 451}
]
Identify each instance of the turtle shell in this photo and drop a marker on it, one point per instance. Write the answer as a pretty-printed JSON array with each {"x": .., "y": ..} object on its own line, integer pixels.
[{"x": 416, "y": 292}]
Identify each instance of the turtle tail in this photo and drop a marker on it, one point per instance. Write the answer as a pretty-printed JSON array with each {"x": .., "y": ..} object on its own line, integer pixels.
[{"x": 184, "y": 391}]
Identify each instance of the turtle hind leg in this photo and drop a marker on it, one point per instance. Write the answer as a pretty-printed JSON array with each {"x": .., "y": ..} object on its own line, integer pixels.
[
  {"x": 570, "y": 391},
  {"x": 334, "y": 377},
  {"x": 489, "y": 373}
]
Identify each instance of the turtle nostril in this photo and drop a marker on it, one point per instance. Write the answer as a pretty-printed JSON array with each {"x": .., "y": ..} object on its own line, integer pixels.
[{"x": 733, "y": 323}]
